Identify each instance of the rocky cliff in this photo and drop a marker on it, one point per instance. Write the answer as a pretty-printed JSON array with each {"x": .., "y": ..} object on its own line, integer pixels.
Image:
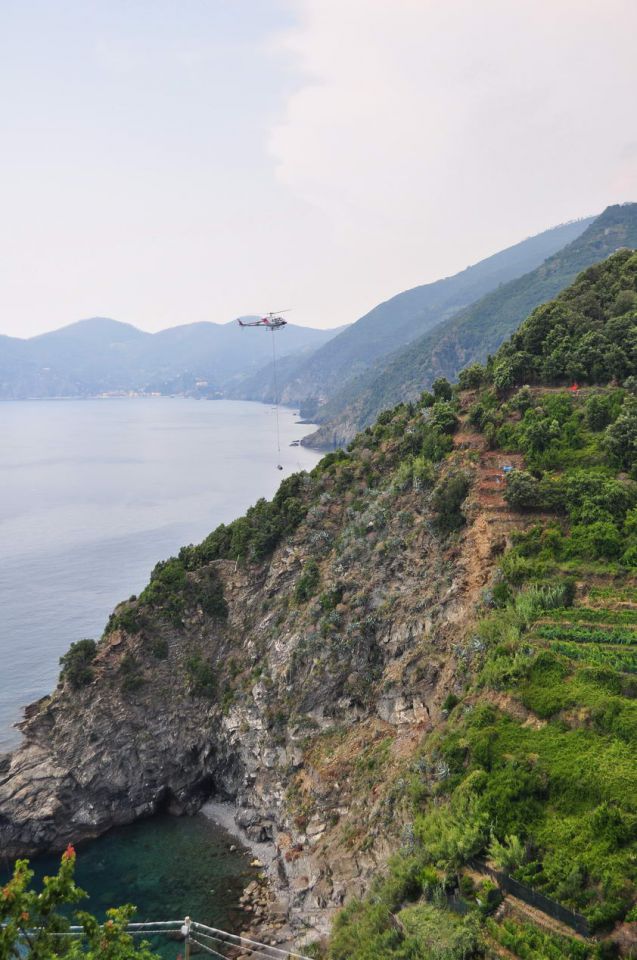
[{"x": 283, "y": 679}]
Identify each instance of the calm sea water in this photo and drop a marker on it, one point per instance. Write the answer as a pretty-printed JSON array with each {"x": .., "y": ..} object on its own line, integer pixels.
[{"x": 92, "y": 494}]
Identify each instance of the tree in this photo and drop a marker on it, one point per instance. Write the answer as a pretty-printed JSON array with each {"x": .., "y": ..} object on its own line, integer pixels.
[
  {"x": 621, "y": 436},
  {"x": 442, "y": 389},
  {"x": 76, "y": 663},
  {"x": 503, "y": 377},
  {"x": 32, "y": 926},
  {"x": 447, "y": 499},
  {"x": 523, "y": 491},
  {"x": 472, "y": 377},
  {"x": 443, "y": 417}
]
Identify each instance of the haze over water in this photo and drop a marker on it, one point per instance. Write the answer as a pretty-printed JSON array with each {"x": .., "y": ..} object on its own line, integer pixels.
[{"x": 94, "y": 493}]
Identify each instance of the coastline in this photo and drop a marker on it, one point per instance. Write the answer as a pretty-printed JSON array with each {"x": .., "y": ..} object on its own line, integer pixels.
[
  {"x": 266, "y": 900},
  {"x": 223, "y": 813}
]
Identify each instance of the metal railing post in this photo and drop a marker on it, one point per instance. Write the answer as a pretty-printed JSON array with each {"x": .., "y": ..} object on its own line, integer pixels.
[{"x": 186, "y": 932}]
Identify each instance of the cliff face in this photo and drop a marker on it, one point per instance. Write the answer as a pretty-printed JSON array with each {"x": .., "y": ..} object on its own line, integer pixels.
[{"x": 303, "y": 703}]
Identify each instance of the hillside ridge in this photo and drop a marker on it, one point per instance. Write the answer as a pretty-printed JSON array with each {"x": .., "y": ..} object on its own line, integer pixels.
[
  {"x": 416, "y": 658},
  {"x": 471, "y": 334}
]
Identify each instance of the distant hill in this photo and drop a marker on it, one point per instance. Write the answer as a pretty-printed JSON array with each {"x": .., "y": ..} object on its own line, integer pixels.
[
  {"x": 472, "y": 333},
  {"x": 100, "y": 355},
  {"x": 401, "y": 320}
]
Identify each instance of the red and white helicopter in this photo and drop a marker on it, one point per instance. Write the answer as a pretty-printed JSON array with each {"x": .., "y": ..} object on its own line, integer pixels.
[{"x": 272, "y": 321}]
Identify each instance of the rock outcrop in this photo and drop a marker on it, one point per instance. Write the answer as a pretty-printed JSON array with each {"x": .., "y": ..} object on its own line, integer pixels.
[{"x": 333, "y": 662}]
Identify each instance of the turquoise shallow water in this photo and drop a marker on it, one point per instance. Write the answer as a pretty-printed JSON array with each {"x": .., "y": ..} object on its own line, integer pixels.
[{"x": 169, "y": 867}]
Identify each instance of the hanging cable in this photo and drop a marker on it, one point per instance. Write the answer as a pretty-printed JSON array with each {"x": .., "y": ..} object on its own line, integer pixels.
[{"x": 276, "y": 394}]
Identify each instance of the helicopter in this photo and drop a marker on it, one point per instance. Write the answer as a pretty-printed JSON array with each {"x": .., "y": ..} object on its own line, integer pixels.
[{"x": 272, "y": 321}]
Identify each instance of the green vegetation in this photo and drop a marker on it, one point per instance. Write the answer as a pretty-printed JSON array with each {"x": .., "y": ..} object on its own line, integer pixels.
[
  {"x": 388, "y": 925},
  {"x": 545, "y": 786},
  {"x": 172, "y": 590},
  {"x": 201, "y": 677},
  {"x": 478, "y": 330},
  {"x": 254, "y": 536},
  {"x": 534, "y": 764},
  {"x": 308, "y": 583},
  {"x": 528, "y": 941},
  {"x": 447, "y": 499},
  {"x": 587, "y": 635},
  {"x": 585, "y": 335},
  {"x": 77, "y": 663},
  {"x": 32, "y": 926},
  {"x": 623, "y": 660}
]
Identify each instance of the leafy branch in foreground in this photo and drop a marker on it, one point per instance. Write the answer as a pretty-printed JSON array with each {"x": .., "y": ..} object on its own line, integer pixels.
[{"x": 32, "y": 926}]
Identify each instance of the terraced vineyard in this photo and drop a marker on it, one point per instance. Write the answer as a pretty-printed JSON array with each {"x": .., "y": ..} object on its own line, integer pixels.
[
  {"x": 616, "y": 658},
  {"x": 600, "y": 630},
  {"x": 527, "y": 941},
  {"x": 611, "y": 634},
  {"x": 530, "y": 782}
]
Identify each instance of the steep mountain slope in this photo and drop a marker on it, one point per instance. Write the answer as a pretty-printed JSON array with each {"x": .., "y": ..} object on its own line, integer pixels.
[
  {"x": 471, "y": 334},
  {"x": 402, "y": 319},
  {"x": 99, "y": 354},
  {"x": 403, "y": 653}
]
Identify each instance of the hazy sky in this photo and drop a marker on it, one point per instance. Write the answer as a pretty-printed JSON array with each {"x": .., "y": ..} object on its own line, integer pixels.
[{"x": 167, "y": 161}]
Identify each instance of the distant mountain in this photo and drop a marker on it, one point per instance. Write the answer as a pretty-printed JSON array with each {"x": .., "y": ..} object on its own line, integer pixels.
[
  {"x": 471, "y": 334},
  {"x": 100, "y": 355},
  {"x": 401, "y": 320}
]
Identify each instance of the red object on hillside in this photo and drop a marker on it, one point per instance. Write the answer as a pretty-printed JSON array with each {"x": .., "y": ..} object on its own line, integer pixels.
[{"x": 574, "y": 388}]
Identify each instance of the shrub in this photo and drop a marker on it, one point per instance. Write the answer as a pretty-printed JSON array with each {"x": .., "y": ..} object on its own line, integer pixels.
[
  {"x": 522, "y": 400},
  {"x": 447, "y": 499},
  {"x": 158, "y": 646},
  {"x": 472, "y": 377},
  {"x": 596, "y": 540},
  {"x": 450, "y": 701},
  {"x": 130, "y": 673},
  {"x": 166, "y": 589},
  {"x": 331, "y": 598},
  {"x": 443, "y": 417},
  {"x": 130, "y": 619},
  {"x": 621, "y": 436},
  {"x": 503, "y": 377},
  {"x": 423, "y": 473},
  {"x": 201, "y": 677},
  {"x": 77, "y": 662},
  {"x": 508, "y": 855},
  {"x": 209, "y": 595},
  {"x": 489, "y": 897},
  {"x": 442, "y": 389},
  {"x": 255, "y": 535},
  {"x": 598, "y": 412},
  {"x": 308, "y": 582},
  {"x": 523, "y": 491}
]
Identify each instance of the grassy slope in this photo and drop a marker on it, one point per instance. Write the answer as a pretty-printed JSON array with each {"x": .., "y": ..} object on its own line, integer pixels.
[{"x": 537, "y": 763}]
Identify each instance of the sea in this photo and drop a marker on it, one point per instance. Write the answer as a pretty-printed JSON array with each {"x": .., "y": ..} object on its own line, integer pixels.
[{"x": 92, "y": 494}]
